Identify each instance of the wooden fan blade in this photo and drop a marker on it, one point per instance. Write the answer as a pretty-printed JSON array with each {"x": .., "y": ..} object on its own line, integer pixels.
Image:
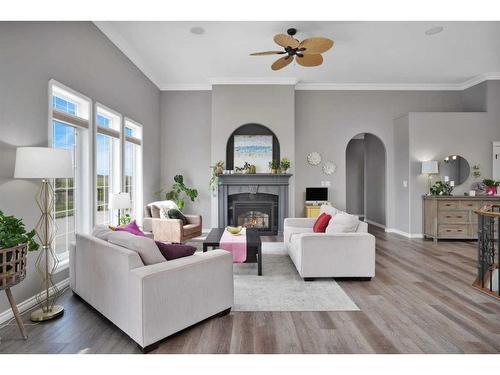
[
  {"x": 267, "y": 53},
  {"x": 310, "y": 60},
  {"x": 281, "y": 63},
  {"x": 286, "y": 41},
  {"x": 315, "y": 45}
]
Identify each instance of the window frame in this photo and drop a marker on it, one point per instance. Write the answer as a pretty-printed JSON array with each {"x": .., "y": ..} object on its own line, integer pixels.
[
  {"x": 115, "y": 133},
  {"x": 138, "y": 143},
  {"x": 83, "y": 127}
]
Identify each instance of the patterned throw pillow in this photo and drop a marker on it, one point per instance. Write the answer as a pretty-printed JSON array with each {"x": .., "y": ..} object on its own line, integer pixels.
[{"x": 176, "y": 214}]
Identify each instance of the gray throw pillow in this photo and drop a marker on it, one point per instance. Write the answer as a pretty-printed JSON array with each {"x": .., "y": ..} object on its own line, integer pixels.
[
  {"x": 176, "y": 214},
  {"x": 145, "y": 247}
]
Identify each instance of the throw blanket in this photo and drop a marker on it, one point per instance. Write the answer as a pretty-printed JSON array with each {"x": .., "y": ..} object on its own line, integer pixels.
[{"x": 237, "y": 245}]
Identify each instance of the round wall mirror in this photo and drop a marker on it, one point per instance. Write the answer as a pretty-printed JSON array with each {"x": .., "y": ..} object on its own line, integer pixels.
[{"x": 456, "y": 168}]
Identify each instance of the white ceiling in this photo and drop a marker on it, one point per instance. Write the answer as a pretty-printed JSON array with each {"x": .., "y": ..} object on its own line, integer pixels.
[{"x": 365, "y": 54}]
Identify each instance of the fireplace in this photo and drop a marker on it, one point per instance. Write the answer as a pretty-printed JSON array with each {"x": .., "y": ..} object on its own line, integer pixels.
[
  {"x": 258, "y": 211},
  {"x": 257, "y": 201}
]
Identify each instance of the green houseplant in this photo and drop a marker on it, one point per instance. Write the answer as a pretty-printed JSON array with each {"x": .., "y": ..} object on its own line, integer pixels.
[
  {"x": 179, "y": 190},
  {"x": 274, "y": 166},
  {"x": 217, "y": 170},
  {"x": 441, "y": 188},
  {"x": 13, "y": 233},
  {"x": 285, "y": 164},
  {"x": 491, "y": 186}
]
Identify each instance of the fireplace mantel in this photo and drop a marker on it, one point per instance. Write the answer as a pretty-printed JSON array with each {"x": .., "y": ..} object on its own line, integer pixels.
[{"x": 276, "y": 184}]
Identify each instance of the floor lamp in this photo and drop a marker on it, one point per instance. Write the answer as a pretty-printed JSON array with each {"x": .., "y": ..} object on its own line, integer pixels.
[{"x": 45, "y": 163}]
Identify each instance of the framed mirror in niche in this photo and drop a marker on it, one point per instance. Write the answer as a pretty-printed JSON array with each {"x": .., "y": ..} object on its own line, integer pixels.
[
  {"x": 455, "y": 169},
  {"x": 252, "y": 143}
]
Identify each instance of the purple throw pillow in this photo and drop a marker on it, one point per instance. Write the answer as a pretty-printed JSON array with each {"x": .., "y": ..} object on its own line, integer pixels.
[
  {"x": 174, "y": 250},
  {"x": 132, "y": 228}
]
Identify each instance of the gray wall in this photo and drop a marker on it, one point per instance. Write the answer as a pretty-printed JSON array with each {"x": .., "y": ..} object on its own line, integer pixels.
[
  {"x": 269, "y": 105},
  {"x": 78, "y": 55},
  {"x": 186, "y": 139},
  {"x": 401, "y": 174},
  {"x": 326, "y": 121},
  {"x": 355, "y": 177},
  {"x": 375, "y": 180}
]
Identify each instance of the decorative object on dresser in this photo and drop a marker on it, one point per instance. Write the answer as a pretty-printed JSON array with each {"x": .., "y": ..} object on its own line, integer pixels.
[
  {"x": 429, "y": 168},
  {"x": 14, "y": 245},
  {"x": 488, "y": 279},
  {"x": 490, "y": 186},
  {"x": 452, "y": 217},
  {"x": 45, "y": 163},
  {"x": 119, "y": 201},
  {"x": 441, "y": 188}
]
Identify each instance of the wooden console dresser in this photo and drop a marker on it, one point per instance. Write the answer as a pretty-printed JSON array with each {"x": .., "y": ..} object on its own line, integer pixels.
[{"x": 453, "y": 217}]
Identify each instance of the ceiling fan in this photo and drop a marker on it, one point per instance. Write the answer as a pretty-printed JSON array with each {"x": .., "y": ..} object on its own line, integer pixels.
[{"x": 308, "y": 52}]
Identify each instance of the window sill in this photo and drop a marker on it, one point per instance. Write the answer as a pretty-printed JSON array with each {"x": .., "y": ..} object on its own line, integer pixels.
[{"x": 63, "y": 265}]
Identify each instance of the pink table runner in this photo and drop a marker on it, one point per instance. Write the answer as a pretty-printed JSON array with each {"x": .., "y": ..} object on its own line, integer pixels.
[{"x": 237, "y": 245}]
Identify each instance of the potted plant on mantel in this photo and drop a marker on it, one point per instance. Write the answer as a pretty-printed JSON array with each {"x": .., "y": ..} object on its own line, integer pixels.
[
  {"x": 285, "y": 165},
  {"x": 15, "y": 242},
  {"x": 274, "y": 166}
]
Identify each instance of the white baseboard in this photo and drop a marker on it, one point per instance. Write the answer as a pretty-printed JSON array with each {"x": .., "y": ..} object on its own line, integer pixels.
[
  {"x": 404, "y": 234},
  {"x": 30, "y": 302},
  {"x": 374, "y": 223}
]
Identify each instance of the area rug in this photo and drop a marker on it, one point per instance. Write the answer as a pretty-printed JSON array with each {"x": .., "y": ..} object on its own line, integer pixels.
[{"x": 281, "y": 288}]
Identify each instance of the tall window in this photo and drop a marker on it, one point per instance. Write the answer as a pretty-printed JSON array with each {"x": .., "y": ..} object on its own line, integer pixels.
[
  {"x": 108, "y": 168},
  {"x": 133, "y": 166},
  {"x": 69, "y": 114}
]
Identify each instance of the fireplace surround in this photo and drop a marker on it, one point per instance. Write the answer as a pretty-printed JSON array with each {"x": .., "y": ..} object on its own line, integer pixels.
[{"x": 257, "y": 201}]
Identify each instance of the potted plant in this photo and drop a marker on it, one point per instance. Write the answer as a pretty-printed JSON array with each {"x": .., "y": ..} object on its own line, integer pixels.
[
  {"x": 441, "y": 188},
  {"x": 178, "y": 190},
  {"x": 125, "y": 219},
  {"x": 285, "y": 165},
  {"x": 13, "y": 234},
  {"x": 274, "y": 166},
  {"x": 217, "y": 170},
  {"x": 491, "y": 186}
]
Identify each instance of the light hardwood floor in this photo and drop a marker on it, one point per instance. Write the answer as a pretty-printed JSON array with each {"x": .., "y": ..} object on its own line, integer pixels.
[{"x": 421, "y": 301}]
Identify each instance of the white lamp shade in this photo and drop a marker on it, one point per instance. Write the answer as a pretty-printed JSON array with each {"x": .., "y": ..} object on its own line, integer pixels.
[
  {"x": 430, "y": 167},
  {"x": 43, "y": 162},
  {"x": 119, "y": 201}
]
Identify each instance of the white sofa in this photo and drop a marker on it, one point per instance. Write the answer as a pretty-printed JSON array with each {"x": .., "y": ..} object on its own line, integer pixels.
[
  {"x": 329, "y": 255},
  {"x": 150, "y": 302}
]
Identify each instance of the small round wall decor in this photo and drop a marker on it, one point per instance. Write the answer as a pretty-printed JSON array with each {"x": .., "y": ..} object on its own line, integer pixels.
[
  {"x": 329, "y": 168},
  {"x": 314, "y": 158}
]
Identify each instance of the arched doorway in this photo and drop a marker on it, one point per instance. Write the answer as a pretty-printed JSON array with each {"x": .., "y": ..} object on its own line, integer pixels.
[{"x": 366, "y": 178}]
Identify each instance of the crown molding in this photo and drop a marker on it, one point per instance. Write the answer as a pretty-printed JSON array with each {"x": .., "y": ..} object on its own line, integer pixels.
[
  {"x": 186, "y": 87},
  {"x": 292, "y": 81},
  {"x": 116, "y": 38},
  {"x": 301, "y": 86}
]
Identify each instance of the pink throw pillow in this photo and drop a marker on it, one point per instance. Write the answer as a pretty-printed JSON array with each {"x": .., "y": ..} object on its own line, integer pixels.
[{"x": 132, "y": 228}]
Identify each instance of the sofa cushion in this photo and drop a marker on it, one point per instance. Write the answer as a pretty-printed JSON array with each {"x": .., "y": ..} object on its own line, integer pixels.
[
  {"x": 102, "y": 232},
  {"x": 131, "y": 227},
  {"x": 173, "y": 251},
  {"x": 191, "y": 229},
  {"x": 327, "y": 209},
  {"x": 158, "y": 205},
  {"x": 291, "y": 231},
  {"x": 174, "y": 213},
  {"x": 145, "y": 247},
  {"x": 342, "y": 222},
  {"x": 321, "y": 223}
]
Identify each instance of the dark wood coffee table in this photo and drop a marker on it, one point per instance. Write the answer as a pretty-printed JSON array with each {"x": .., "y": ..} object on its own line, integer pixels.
[{"x": 254, "y": 245}]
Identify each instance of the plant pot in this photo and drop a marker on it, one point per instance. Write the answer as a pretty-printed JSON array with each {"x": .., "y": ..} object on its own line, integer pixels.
[
  {"x": 274, "y": 171},
  {"x": 491, "y": 190}
]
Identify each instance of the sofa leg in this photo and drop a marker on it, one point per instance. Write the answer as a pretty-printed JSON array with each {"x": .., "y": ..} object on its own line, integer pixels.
[
  {"x": 224, "y": 313},
  {"x": 364, "y": 278},
  {"x": 308, "y": 278},
  {"x": 149, "y": 348}
]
